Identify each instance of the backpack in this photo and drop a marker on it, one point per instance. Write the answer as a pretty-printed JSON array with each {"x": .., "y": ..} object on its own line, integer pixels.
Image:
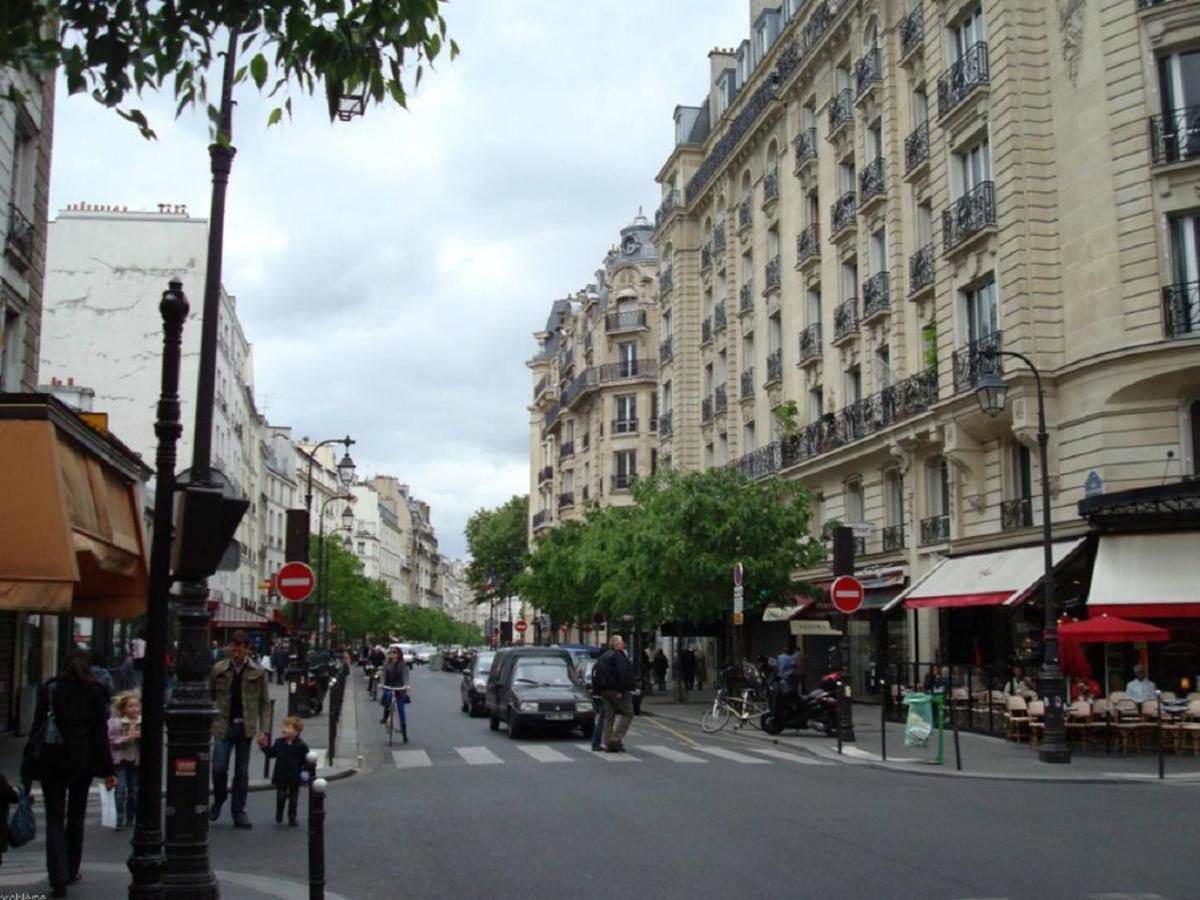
[{"x": 599, "y": 676}]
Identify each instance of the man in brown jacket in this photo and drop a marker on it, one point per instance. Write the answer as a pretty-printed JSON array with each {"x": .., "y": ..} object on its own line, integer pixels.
[{"x": 239, "y": 688}]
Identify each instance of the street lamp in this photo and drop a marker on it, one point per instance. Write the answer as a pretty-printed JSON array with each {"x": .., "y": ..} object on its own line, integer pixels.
[
  {"x": 321, "y": 550},
  {"x": 345, "y": 469},
  {"x": 992, "y": 395}
]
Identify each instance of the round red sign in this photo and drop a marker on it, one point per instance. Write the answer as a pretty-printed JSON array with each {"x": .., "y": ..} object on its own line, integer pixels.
[
  {"x": 847, "y": 593},
  {"x": 521, "y": 626},
  {"x": 295, "y": 581}
]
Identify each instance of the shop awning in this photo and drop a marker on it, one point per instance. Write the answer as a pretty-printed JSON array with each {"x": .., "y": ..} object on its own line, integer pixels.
[
  {"x": 73, "y": 541},
  {"x": 775, "y": 612},
  {"x": 997, "y": 578},
  {"x": 226, "y": 616},
  {"x": 1146, "y": 575},
  {"x": 800, "y": 627}
]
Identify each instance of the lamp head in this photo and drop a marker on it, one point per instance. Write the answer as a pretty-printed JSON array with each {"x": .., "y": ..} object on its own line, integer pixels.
[
  {"x": 991, "y": 392},
  {"x": 348, "y": 517},
  {"x": 345, "y": 470}
]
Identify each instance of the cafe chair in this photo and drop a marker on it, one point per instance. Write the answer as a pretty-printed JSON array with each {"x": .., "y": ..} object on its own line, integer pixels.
[
  {"x": 1018, "y": 718},
  {"x": 1099, "y": 723},
  {"x": 1037, "y": 724},
  {"x": 1079, "y": 714},
  {"x": 1189, "y": 728},
  {"x": 1129, "y": 724}
]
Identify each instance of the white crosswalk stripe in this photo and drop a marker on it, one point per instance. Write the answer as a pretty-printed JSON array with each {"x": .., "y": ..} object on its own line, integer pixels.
[
  {"x": 734, "y": 756},
  {"x": 608, "y": 757},
  {"x": 411, "y": 759},
  {"x": 673, "y": 755},
  {"x": 478, "y": 756},
  {"x": 543, "y": 753},
  {"x": 790, "y": 757}
]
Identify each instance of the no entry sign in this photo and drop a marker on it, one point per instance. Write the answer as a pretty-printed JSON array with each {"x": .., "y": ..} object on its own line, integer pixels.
[
  {"x": 847, "y": 593},
  {"x": 521, "y": 626},
  {"x": 295, "y": 581}
]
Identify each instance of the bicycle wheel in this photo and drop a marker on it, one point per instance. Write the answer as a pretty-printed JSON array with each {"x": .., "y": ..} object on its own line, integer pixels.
[{"x": 715, "y": 719}]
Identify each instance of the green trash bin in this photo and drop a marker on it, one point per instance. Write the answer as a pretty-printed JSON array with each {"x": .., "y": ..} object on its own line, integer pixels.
[{"x": 918, "y": 725}]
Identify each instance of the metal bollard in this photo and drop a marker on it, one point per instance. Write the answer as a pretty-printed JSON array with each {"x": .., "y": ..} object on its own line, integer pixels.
[
  {"x": 316, "y": 839},
  {"x": 840, "y": 701},
  {"x": 270, "y": 727},
  {"x": 883, "y": 718},
  {"x": 1158, "y": 722},
  {"x": 335, "y": 709},
  {"x": 954, "y": 727}
]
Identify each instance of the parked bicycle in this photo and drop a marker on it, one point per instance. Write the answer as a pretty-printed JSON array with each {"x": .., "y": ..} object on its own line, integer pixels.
[{"x": 741, "y": 696}]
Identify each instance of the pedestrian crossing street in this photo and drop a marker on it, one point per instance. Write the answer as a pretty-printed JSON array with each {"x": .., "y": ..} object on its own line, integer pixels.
[{"x": 583, "y": 753}]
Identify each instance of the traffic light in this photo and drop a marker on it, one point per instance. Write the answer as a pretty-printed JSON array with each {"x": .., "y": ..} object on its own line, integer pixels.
[{"x": 206, "y": 517}]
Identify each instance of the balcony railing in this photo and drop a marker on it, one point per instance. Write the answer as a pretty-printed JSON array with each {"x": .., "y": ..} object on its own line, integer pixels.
[
  {"x": 720, "y": 399},
  {"x": 623, "y": 482},
  {"x": 746, "y": 295},
  {"x": 584, "y": 380},
  {"x": 1175, "y": 137},
  {"x": 771, "y": 185},
  {"x": 912, "y": 31},
  {"x": 976, "y": 359},
  {"x": 551, "y": 416},
  {"x": 567, "y": 361},
  {"x": 718, "y": 238},
  {"x": 841, "y": 111},
  {"x": 868, "y": 71},
  {"x": 935, "y": 530},
  {"x": 665, "y": 351},
  {"x": 664, "y": 424},
  {"x": 566, "y": 498},
  {"x": 759, "y": 463},
  {"x": 876, "y": 295},
  {"x": 845, "y": 319},
  {"x": 963, "y": 78},
  {"x": 545, "y": 474},
  {"x": 20, "y": 234},
  {"x": 624, "y": 319},
  {"x": 745, "y": 213},
  {"x": 772, "y": 273},
  {"x": 719, "y": 318},
  {"x": 706, "y": 257},
  {"x": 706, "y": 331},
  {"x": 1181, "y": 309},
  {"x": 565, "y": 449},
  {"x": 666, "y": 281},
  {"x": 628, "y": 368},
  {"x": 541, "y": 518},
  {"x": 1016, "y": 514},
  {"x": 916, "y": 147},
  {"x": 920, "y": 269},
  {"x": 747, "y": 383},
  {"x": 624, "y": 426},
  {"x": 870, "y": 181},
  {"x": 841, "y": 214},
  {"x": 810, "y": 343},
  {"x": 804, "y": 147},
  {"x": 968, "y": 215},
  {"x": 666, "y": 207},
  {"x": 893, "y": 538},
  {"x": 775, "y": 366},
  {"x": 706, "y": 409},
  {"x": 808, "y": 244}
]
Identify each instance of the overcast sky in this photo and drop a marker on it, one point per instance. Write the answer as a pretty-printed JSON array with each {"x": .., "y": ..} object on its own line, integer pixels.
[{"x": 390, "y": 272}]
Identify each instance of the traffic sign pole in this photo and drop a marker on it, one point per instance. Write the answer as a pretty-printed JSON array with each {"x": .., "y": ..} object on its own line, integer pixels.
[{"x": 846, "y": 583}]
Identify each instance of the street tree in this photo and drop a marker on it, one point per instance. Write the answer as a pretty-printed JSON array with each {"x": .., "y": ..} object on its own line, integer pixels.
[
  {"x": 497, "y": 540},
  {"x": 358, "y": 605},
  {"x": 366, "y": 51},
  {"x": 555, "y": 581}
]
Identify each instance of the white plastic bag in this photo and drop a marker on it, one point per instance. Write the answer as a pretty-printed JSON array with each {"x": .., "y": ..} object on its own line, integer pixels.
[{"x": 108, "y": 807}]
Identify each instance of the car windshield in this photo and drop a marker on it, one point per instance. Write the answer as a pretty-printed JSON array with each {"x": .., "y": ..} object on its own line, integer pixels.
[
  {"x": 548, "y": 672},
  {"x": 483, "y": 665}
]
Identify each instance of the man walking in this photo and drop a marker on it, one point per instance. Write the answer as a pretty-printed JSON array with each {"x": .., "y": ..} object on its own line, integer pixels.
[
  {"x": 239, "y": 688},
  {"x": 615, "y": 680}
]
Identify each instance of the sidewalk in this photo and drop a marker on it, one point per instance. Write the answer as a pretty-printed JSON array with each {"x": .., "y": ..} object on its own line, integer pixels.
[
  {"x": 982, "y": 756},
  {"x": 316, "y": 734}
]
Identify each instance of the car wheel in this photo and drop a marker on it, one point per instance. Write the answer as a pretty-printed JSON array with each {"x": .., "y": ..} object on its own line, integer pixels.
[
  {"x": 514, "y": 725},
  {"x": 494, "y": 722}
]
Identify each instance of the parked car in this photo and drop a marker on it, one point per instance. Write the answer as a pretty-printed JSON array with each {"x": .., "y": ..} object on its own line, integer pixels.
[
  {"x": 584, "y": 668},
  {"x": 474, "y": 684},
  {"x": 537, "y": 687}
]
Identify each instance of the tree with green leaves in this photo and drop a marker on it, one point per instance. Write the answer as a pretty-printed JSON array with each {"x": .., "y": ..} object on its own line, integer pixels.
[
  {"x": 498, "y": 542},
  {"x": 555, "y": 580},
  {"x": 364, "y": 51},
  {"x": 357, "y": 605}
]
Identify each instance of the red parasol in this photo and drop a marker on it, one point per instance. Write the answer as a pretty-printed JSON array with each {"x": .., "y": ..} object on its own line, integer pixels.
[
  {"x": 1111, "y": 630},
  {"x": 1073, "y": 660}
]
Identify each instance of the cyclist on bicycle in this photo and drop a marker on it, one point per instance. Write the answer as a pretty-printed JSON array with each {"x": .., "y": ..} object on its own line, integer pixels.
[{"x": 394, "y": 681}]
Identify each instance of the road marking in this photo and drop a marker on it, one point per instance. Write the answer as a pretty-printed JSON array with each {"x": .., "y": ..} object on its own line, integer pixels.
[
  {"x": 478, "y": 756},
  {"x": 691, "y": 742},
  {"x": 861, "y": 754},
  {"x": 734, "y": 756},
  {"x": 790, "y": 757},
  {"x": 673, "y": 755},
  {"x": 608, "y": 757},
  {"x": 545, "y": 754},
  {"x": 411, "y": 759}
]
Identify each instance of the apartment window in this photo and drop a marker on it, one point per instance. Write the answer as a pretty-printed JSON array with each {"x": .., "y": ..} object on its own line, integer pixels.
[
  {"x": 841, "y": 76},
  {"x": 893, "y": 497},
  {"x": 814, "y": 208},
  {"x": 883, "y": 366},
  {"x": 747, "y": 350},
  {"x": 1194, "y": 422},
  {"x": 924, "y": 224},
  {"x": 708, "y": 456},
  {"x": 668, "y": 397},
  {"x": 814, "y": 305},
  {"x": 920, "y": 101},
  {"x": 772, "y": 243},
  {"x": 722, "y": 375},
  {"x": 853, "y": 383},
  {"x": 1022, "y": 472},
  {"x": 664, "y": 328},
  {"x": 627, "y": 357},
  {"x": 816, "y": 404},
  {"x": 1178, "y": 137},
  {"x": 24, "y": 168},
  {"x": 362, "y": 548},
  {"x": 854, "y": 503},
  {"x": 845, "y": 178},
  {"x": 708, "y": 379},
  {"x": 568, "y": 481},
  {"x": 974, "y": 166},
  {"x": 708, "y": 304},
  {"x": 878, "y": 251},
  {"x": 849, "y": 280},
  {"x": 818, "y": 513},
  {"x": 11, "y": 357},
  {"x": 937, "y": 484},
  {"x": 774, "y": 333},
  {"x": 749, "y": 442},
  {"x": 722, "y": 449},
  {"x": 875, "y": 141},
  {"x": 1185, "y": 249},
  {"x": 624, "y": 413},
  {"x": 982, "y": 315},
  {"x": 808, "y": 115},
  {"x": 968, "y": 32}
]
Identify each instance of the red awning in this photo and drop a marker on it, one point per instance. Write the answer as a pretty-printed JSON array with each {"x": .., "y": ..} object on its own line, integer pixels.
[
  {"x": 949, "y": 600},
  {"x": 227, "y": 616},
  {"x": 279, "y": 619},
  {"x": 1150, "y": 610}
]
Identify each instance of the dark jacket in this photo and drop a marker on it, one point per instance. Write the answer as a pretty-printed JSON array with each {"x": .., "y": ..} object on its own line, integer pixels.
[
  {"x": 394, "y": 675},
  {"x": 289, "y": 761},
  {"x": 82, "y": 718},
  {"x": 614, "y": 672},
  {"x": 8, "y": 794}
]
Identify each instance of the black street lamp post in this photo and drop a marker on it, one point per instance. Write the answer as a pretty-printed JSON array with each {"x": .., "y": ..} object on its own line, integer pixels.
[
  {"x": 322, "y": 592},
  {"x": 992, "y": 393}
]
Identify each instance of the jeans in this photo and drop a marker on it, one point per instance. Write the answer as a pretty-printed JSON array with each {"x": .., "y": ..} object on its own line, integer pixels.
[
  {"x": 127, "y": 792},
  {"x": 618, "y": 716},
  {"x": 238, "y": 743},
  {"x": 402, "y": 720},
  {"x": 289, "y": 795},
  {"x": 598, "y": 727},
  {"x": 65, "y": 804}
]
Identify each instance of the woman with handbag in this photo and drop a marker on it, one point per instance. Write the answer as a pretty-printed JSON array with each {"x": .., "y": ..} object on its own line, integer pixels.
[{"x": 68, "y": 747}]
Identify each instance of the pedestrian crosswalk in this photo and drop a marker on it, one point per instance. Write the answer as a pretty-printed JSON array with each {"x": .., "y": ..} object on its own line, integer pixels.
[{"x": 523, "y": 753}]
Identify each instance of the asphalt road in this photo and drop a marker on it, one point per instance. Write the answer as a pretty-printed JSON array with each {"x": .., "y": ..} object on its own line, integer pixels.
[{"x": 463, "y": 812}]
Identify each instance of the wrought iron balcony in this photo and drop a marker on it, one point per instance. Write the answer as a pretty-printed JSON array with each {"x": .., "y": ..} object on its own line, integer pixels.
[
  {"x": 845, "y": 319},
  {"x": 720, "y": 399},
  {"x": 912, "y": 31},
  {"x": 565, "y": 449},
  {"x": 870, "y": 181},
  {"x": 718, "y": 238},
  {"x": 746, "y": 295},
  {"x": 893, "y": 538},
  {"x": 1016, "y": 514},
  {"x": 541, "y": 519},
  {"x": 628, "y": 368},
  {"x": 1175, "y": 137},
  {"x": 810, "y": 343},
  {"x": 624, "y": 426},
  {"x": 808, "y": 244},
  {"x": 775, "y": 366},
  {"x": 546, "y": 473},
  {"x": 747, "y": 383},
  {"x": 868, "y": 72},
  {"x": 804, "y": 148},
  {"x": 624, "y": 320},
  {"x": 654, "y": 423},
  {"x": 819, "y": 23},
  {"x": 706, "y": 409},
  {"x": 706, "y": 257},
  {"x": 745, "y": 213},
  {"x": 665, "y": 351},
  {"x": 772, "y": 274},
  {"x": 666, "y": 281},
  {"x": 968, "y": 215},
  {"x": 706, "y": 331},
  {"x": 20, "y": 235},
  {"x": 841, "y": 112},
  {"x": 1147, "y": 4},
  {"x": 664, "y": 423},
  {"x": 771, "y": 185},
  {"x": 1181, "y": 309},
  {"x": 566, "y": 498},
  {"x": 623, "y": 482},
  {"x": 920, "y": 269},
  {"x": 584, "y": 380},
  {"x": 908, "y": 398},
  {"x": 670, "y": 201},
  {"x": 551, "y": 416},
  {"x": 841, "y": 214},
  {"x": 876, "y": 296},
  {"x": 963, "y": 78},
  {"x": 761, "y": 462},
  {"x": 935, "y": 530},
  {"x": 916, "y": 147},
  {"x": 975, "y": 360}
]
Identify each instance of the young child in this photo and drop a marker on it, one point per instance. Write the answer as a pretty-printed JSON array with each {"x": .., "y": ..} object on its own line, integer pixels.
[
  {"x": 125, "y": 739},
  {"x": 290, "y": 772}
]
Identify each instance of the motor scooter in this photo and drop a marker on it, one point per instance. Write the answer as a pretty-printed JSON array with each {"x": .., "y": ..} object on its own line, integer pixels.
[{"x": 789, "y": 708}]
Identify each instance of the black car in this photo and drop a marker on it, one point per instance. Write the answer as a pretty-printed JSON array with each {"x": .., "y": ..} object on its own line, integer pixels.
[
  {"x": 537, "y": 687},
  {"x": 474, "y": 684}
]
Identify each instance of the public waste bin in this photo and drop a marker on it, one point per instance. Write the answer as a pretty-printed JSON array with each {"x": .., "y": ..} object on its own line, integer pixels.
[{"x": 919, "y": 724}]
